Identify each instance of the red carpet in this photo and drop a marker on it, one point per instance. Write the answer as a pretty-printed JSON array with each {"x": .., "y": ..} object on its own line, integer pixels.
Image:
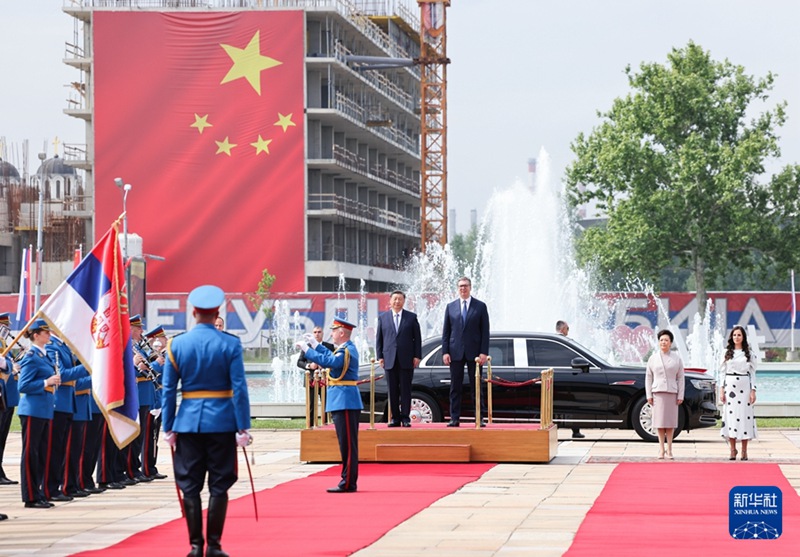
[
  {"x": 668, "y": 508},
  {"x": 299, "y": 518}
]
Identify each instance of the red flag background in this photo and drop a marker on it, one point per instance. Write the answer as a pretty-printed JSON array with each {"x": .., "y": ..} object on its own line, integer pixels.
[{"x": 202, "y": 113}]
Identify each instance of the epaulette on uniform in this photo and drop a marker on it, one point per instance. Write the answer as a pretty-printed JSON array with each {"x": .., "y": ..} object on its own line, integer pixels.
[{"x": 229, "y": 334}]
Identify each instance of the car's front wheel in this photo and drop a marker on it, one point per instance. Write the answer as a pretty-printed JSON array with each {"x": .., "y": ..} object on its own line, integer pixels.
[
  {"x": 642, "y": 418},
  {"x": 424, "y": 408}
]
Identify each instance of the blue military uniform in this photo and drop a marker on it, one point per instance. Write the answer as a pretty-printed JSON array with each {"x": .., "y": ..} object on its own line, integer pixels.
[
  {"x": 152, "y": 423},
  {"x": 343, "y": 401},
  {"x": 207, "y": 366},
  {"x": 72, "y": 484},
  {"x": 36, "y": 407},
  {"x": 10, "y": 393},
  {"x": 70, "y": 369},
  {"x": 147, "y": 395}
]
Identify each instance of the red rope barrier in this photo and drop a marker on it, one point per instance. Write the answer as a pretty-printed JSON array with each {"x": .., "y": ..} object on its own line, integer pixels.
[{"x": 506, "y": 383}]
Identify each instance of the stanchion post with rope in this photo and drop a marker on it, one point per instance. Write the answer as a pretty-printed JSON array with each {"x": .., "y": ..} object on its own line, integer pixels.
[
  {"x": 308, "y": 397},
  {"x": 316, "y": 395},
  {"x": 372, "y": 393},
  {"x": 477, "y": 393},
  {"x": 489, "y": 389}
]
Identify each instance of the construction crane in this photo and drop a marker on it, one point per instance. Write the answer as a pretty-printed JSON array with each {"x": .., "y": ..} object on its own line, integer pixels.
[
  {"x": 433, "y": 85},
  {"x": 433, "y": 63}
]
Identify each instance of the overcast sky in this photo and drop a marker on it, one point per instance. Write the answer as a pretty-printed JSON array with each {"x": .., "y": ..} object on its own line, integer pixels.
[{"x": 525, "y": 74}]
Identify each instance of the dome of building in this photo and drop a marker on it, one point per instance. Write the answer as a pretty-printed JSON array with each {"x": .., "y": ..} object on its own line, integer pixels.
[
  {"x": 8, "y": 171},
  {"x": 56, "y": 166}
]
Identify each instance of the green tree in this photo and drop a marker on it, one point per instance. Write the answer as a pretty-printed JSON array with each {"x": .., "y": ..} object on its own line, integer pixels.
[
  {"x": 675, "y": 166},
  {"x": 464, "y": 248},
  {"x": 259, "y": 299}
]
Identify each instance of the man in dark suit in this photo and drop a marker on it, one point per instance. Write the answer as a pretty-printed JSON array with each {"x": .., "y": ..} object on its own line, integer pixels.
[
  {"x": 562, "y": 328},
  {"x": 398, "y": 346},
  {"x": 465, "y": 336},
  {"x": 304, "y": 363}
]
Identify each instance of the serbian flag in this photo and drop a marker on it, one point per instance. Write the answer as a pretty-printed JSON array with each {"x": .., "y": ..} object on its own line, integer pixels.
[
  {"x": 89, "y": 311},
  {"x": 24, "y": 301},
  {"x": 203, "y": 113}
]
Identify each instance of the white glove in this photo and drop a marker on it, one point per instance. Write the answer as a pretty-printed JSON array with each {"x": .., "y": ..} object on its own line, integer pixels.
[
  {"x": 243, "y": 438},
  {"x": 155, "y": 412},
  {"x": 301, "y": 345},
  {"x": 171, "y": 438},
  {"x": 309, "y": 338}
]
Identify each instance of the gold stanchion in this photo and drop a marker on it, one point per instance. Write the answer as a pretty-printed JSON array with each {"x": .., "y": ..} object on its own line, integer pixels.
[
  {"x": 489, "y": 388},
  {"x": 546, "y": 404},
  {"x": 326, "y": 417},
  {"x": 477, "y": 393},
  {"x": 307, "y": 383},
  {"x": 372, "y": 393},
  {"x": 316, "y": 397}
]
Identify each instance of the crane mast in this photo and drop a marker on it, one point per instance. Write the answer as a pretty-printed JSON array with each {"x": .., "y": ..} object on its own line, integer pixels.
[{"x": 433, "y": 108}]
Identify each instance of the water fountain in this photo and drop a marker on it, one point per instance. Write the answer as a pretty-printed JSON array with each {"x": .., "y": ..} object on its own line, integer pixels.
[{"x": 525, "y": 271}]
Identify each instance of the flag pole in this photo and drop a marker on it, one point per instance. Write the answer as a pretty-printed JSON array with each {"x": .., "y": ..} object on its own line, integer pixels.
[{"x": 15, "y": 340}]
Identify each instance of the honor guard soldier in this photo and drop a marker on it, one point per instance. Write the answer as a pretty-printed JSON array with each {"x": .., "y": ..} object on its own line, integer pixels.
[
  {"x": 71, "y": 484},
  {"x": 158, "y": 341},
  {"x": 342, "y": 400},
  {"x": 9, "y": 384},
  {"x": 145, "y": 377},
  {"x": 213, "y": 418},
  {"x": 38, "y": 381},
  {"x": 69, "y": 369}
]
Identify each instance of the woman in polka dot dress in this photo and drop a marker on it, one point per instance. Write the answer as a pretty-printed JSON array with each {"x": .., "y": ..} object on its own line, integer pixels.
[{"x": 738, "y": 392}]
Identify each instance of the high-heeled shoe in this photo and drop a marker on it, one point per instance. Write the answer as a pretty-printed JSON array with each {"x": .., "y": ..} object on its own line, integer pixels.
[
  {"x": 744, "y": 455},
  {"x": 733, "y": 454}
]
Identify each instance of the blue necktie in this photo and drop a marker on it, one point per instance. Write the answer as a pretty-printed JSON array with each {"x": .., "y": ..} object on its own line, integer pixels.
[
  {"x": 396, "y": 321},
  {"x": 463, "y": 313}
]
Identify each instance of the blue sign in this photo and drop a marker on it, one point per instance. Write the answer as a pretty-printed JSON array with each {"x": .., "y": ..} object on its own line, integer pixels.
[{"x": 755, "y": 513}]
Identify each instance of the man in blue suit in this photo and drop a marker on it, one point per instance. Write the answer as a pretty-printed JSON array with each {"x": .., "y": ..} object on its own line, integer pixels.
[
  {"x": 398, "y": 345},
  {"x": 213, "y": 418},
  {"x": 465, "y": 336}
]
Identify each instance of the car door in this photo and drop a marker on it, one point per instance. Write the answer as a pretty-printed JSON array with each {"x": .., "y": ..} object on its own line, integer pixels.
[
  {"x": 501, "y": 351},
  {"x": 580, "y": 397}
]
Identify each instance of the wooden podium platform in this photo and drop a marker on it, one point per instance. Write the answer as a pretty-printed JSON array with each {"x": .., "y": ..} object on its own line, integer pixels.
[{"x": 437, "y": 443}]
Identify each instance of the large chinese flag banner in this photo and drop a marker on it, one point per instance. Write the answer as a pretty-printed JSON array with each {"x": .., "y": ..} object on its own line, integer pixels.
[{"x": 202, "y": 113}]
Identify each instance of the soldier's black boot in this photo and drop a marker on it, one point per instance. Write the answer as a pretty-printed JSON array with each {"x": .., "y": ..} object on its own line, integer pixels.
[
  {"x": 217, "y": 509},
  {"x": 193, "y": 509}
]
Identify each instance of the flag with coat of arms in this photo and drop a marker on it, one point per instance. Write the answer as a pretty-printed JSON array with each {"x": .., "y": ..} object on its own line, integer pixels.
[{"x": 89, "y": 311}]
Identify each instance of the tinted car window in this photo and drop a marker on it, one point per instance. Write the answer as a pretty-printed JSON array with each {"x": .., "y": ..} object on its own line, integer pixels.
[
  {"x": 502, "y": 352},
  {"x": 548, "y": 353},
  {"x": 435, "y": 359}
]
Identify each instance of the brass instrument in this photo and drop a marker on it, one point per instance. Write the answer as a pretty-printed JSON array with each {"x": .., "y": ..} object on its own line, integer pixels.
[{"x": 143, "y": 348}]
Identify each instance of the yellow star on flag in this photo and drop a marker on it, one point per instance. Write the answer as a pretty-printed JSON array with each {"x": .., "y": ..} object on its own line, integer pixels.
[
  {"x": 262, "y": 145},
  {"x": 284, "y": 121},
  {"x": 224, "y": 146},
  {"x": 248, "y": 63},
  {"x": 201, "y": 123}
]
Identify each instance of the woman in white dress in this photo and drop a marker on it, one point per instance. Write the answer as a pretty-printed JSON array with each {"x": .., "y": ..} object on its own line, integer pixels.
[
  {"x": 738, "y": 392},
  {"x": 664, "y": 384}
]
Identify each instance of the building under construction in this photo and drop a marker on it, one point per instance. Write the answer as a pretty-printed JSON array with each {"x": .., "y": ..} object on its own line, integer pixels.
[
  {"x": 65, "y": 218},
  {"x": 364, "y": 178}
]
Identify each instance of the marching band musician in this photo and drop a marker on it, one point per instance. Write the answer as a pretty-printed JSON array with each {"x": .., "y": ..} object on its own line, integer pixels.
[
  {"x": 70, "y": 369},
  {"x": 158, "y": 341},
  {"x": 71, "y": 483},
  {"x": 343, "y": 400},
  {"x": 9, "y": 379},
  {"x": 213, "y": 418},
  {"x": 37, "y": 383},
  {"x": 147, "y": 397}
]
